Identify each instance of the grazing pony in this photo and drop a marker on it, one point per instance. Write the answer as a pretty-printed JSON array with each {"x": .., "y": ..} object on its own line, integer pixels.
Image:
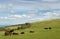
[
  {"x": 22, "y": 32},
  {"x": 50, "y": 28},
  {"x": 7, "y": 33},
  {"x": 45, "y": 28},
  {"x": 14, "y": 33},
  {"x": 31, "y": 31}
]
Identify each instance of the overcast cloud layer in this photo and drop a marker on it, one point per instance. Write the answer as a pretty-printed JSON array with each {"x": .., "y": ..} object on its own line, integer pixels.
[{"x": 21, "y": 11}]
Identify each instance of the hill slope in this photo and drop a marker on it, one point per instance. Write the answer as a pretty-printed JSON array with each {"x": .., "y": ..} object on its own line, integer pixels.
[
  {"x": 48, "y": 23},
  {"x": 39, "y": 31}
]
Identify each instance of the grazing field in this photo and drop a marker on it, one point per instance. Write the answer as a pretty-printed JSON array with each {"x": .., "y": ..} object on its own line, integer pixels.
[{"x": 39, "y": 31}]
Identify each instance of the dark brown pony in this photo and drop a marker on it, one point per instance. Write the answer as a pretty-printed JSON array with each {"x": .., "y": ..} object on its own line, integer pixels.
[
  {"x": 14, "y": 33},
  {"x": 50, "y": 28},
  {"x": 22, "y": 32},
  {"x": 31, "y": 31},
  {"x": 7, "y": 33},
  {"x": 46, "y": 28}
]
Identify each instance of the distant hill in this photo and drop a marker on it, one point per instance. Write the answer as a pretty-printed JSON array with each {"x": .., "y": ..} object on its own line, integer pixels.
[
  {"x": 39, "y": 31},
  {"x": 41, "y": 24}
]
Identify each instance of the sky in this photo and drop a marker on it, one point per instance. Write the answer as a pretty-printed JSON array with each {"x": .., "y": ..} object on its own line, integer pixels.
[{"x": 21, "y": 11}]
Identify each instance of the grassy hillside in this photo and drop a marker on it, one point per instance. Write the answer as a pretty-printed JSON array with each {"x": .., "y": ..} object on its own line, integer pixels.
[
  {"x": 39, "y": 31},
  {"x": 48, "y": 23}
]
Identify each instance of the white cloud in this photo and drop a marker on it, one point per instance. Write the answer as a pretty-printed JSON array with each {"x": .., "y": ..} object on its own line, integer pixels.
[
  {"x": 50, "y": 0},
  {"x": 10, "y": 17},
  {"x": 46, "y": 16},
  {"x": 31, "y": 6},
  {"x": 12, "y": 11},
  {"x": 26, "y": 16},
  {"x": 10, "y": 4},
  {"x": 51, "y": 15},
  {"x": 35, "y": 5},
  {"x": 6, "y": 18},
  {"x": 48, "y": 6},
  {"x": 33, "y": 11},
  {"x": 20, "y": 16},
  {"x": 16, "y": 16},
  {"x": 27, "y": 5},
  {"x": 24, "y": 7},
  {"x": 0, "y": 6}
]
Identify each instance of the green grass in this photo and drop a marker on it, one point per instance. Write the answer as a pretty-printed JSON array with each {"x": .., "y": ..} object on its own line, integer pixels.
[{"x": 40, "y": 32}]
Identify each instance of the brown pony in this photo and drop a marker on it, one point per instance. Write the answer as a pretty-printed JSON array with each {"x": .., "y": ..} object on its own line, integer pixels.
[{"x": 7, "y": 33}]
